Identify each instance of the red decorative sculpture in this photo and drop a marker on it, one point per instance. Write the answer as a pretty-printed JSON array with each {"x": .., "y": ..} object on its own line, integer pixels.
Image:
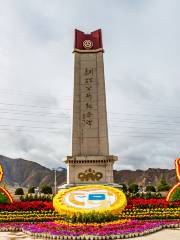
[
  {"x": 173, "y": 189},
  {"x": 6, "y": 193},
  {"x": 85, "y": 42}
]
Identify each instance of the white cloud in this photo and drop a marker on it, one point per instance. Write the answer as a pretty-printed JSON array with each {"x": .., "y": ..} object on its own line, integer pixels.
[{"x": 142, "y": 55}]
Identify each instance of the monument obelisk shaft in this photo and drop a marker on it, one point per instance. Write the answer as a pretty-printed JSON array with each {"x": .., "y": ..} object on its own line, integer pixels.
[
  {"x": 90, "y": 161},
  {"x": 90, "y": 134}
]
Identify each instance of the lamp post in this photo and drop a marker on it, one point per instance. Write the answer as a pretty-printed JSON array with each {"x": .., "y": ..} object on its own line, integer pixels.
[{"x": 55, "y": 178}]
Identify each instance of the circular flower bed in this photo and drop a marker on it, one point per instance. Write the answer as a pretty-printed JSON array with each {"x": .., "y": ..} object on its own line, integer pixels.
[{"x": 90, "y": 198}]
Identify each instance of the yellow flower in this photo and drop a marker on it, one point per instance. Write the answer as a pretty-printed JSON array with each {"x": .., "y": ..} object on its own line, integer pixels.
[{"x": 61, "y": 205}]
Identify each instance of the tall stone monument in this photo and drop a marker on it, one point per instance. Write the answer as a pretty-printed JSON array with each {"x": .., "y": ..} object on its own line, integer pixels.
[{"x": 90, "y": 162}]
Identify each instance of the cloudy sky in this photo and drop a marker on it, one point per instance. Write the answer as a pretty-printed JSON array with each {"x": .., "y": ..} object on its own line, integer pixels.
[{"x": 142, "y": 68}]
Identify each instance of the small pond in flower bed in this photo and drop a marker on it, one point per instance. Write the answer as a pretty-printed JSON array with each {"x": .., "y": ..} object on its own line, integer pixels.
[{"x": 14, "y": 236}]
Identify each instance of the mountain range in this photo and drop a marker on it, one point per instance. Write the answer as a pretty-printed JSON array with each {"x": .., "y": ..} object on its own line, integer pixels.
[{"x": 24, "y": 173}]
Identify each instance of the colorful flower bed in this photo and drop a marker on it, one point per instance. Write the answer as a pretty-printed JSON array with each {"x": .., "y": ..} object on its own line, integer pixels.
[
  {"x": 40, "y": 220},
  {"x": 83, "y": 199},
  {"x": 29, "y": 216},
  {"x": 156, "y": 213},
  {"x": 118, "y": 229},
  {"x": 151, "y": 209},
  {"x": 150, "y": 203},
  {"x": 136, "y": 213},
  {"x": 44, "y": 205},
  {"x": 43, "y": 211},
  {"x": 35, "y": 211},
  {"x": 26, "y": 206}
]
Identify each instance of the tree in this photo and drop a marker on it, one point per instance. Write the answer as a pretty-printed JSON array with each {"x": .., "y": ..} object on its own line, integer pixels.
[
  {"x": 124, "y": 187},
  {"x": 176, "y": 195},
  {"x": 31, "y": 190},
  {"x": 3, "y": 198},
  {"x": 163, "y": 186},
  {"x": 19, "y": 191},
  {"x": 46, "y": 189},
  {"x": 133, "y": 188},
  {"x": 148, "y": 195},
  {"x": 150, "y": 188},
  {"x": 158, "y": 195}
]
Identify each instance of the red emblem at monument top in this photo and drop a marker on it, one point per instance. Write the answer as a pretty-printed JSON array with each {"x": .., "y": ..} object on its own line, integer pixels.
[{"x": 88, "y": 42}]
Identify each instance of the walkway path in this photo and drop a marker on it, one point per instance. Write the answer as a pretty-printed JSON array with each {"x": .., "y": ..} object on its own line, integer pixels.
[
  {"x": 15, "y": 236},
  {"x": 166, "y": 234}
]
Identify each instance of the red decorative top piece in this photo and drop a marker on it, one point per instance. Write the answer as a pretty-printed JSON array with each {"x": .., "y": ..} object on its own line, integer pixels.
[{"x": 90, "y": 41}]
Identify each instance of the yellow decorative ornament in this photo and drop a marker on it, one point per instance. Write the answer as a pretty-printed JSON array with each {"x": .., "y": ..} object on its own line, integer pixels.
[{"x": 90, "y": 198}]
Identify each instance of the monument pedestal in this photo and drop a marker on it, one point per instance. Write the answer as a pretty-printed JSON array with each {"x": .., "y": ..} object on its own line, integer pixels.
[{"x": 90, "y": 169}]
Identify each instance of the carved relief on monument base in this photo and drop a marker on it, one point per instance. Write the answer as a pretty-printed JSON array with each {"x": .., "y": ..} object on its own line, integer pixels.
[{"x": 90, "y": 169}]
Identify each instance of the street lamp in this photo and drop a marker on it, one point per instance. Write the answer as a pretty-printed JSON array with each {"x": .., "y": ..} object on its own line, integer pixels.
[{"x": 55, "y": 178}]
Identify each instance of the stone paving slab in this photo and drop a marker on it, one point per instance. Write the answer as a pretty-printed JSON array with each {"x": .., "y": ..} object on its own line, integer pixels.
[
  {"x": 167, "y": 234},
  {"x": 14, "y": 236}
]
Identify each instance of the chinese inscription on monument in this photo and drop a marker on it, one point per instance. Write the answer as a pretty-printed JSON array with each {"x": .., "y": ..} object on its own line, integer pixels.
[
  {"x": 90, "y": 161},
  {"x": 87, "y": 86}
]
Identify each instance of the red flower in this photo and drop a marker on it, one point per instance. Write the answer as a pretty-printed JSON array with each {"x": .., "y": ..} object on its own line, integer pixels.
[
  {"x": 150, "y": 203},
  {"x": 26, "y": 206}
]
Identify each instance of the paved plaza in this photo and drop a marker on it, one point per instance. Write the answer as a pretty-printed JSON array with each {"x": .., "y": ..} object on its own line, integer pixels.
[
  {"x": 167, "y": 234},
  {"x": 14, "y": 236}
]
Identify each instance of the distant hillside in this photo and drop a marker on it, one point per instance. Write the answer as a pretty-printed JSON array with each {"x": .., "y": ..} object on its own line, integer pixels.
[
  {"x": 27, "y": 173},
  {"x": 145, "y": 177}
]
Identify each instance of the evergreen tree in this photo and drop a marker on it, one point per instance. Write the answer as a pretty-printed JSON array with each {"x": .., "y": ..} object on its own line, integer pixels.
[
  {"x": 19, "y": 191},
  {"x": 163, "y": 186},
  {"x": 46, "y": 189},
  {"x": 133, "y": 188},
  {"x": 124, "y": 187},
  {"x": 31, "y": 190},
  {"x": 150, "y": 188}
]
